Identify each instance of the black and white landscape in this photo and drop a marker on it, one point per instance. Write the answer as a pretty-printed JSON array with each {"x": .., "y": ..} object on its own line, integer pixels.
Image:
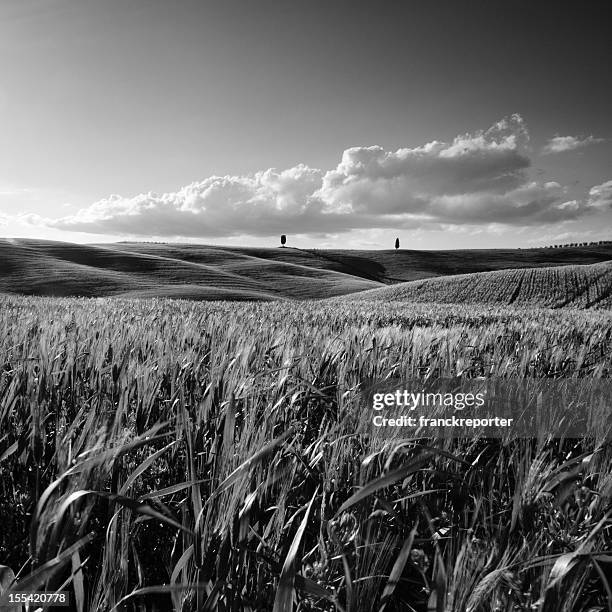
[{"x": 235, "y": 235}]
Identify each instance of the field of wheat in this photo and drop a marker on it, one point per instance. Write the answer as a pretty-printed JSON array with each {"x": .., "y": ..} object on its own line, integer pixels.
[
  {"x": 588, "y": 286},
  {"x": 199, "y": 456}
]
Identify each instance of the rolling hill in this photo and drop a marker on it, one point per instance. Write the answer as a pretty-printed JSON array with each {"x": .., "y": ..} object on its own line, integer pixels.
[
  {"x": 381, "y": 266},
  {"x": 36, "y": 267},
  {"x": 201, "y": 272},
  {"x": 576, "y": 286}
]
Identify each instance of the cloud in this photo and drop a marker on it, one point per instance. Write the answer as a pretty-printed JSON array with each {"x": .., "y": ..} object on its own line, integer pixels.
[
  {"x": 560, "y": 144},
  {"x": 263, "y": 204},
  {"x": 407, "y": 180},
  {"x": 477, "y": 179},
  {"x": 600, "y": 196}
]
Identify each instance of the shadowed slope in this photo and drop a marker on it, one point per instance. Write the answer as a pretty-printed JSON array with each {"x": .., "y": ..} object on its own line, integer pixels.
[
  {"x": 36, "y": 267},
  {"x": 384, "y": 266},
  {"x": 392, "y": 267},
  {"x": 40, "y": 267},
  {"x": 565, "y": 286}
]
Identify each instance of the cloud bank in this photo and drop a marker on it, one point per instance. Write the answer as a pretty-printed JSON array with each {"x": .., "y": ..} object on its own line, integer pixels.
[
  {"x": 600, "y": 196},
  {"x": 560, "y": 144},
  {"x": 478, "y": 178}
]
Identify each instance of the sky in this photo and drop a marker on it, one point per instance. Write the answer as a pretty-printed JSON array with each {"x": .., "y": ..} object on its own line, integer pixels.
[{"x": 448, "y": 124}]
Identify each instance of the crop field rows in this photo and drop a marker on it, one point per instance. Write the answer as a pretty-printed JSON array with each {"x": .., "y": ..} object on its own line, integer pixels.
[
  {"x": 200, "y": 456},
  {"x": 553, "y": 287}
]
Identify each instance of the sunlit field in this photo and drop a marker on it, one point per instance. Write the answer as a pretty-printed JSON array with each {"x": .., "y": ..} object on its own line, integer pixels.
[
  {"x": 200, "y": 456},
  {"x": 587, "y": 286}
]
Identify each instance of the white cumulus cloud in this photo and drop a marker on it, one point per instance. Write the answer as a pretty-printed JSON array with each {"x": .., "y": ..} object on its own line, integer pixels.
[
  {"x": 600, "y": 196},
  {"x": 560, "y": 144},
  {"x": 477, "y": 179}
]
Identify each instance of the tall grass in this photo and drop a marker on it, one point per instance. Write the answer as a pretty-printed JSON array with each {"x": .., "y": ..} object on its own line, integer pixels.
[{"x": 205, "y": 456}]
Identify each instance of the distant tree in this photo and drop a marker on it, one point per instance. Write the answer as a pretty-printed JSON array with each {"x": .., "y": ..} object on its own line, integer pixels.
[
  {"x": 397, "y": 243},
  {"x": 283, "y": 239}
]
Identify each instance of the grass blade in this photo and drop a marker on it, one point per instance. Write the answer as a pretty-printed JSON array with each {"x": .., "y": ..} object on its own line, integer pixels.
[
  {"x": 283, "y": 602},
  {"x": 414, "y": 465},
  {"x": 398, "y": 568}
]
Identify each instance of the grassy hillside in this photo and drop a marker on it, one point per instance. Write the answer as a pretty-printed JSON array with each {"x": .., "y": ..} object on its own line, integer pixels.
[
  {"x": 406, "y": 265},
  {"x": 383, "y": 266},
  {"x": 200, "y": 272},
  {"x": 575, "y": 286},
  {"x": 35, "y": 267}
]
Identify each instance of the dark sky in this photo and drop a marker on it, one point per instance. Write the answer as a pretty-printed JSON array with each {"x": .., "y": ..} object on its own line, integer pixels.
[{"x": 147, "y": 97}]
